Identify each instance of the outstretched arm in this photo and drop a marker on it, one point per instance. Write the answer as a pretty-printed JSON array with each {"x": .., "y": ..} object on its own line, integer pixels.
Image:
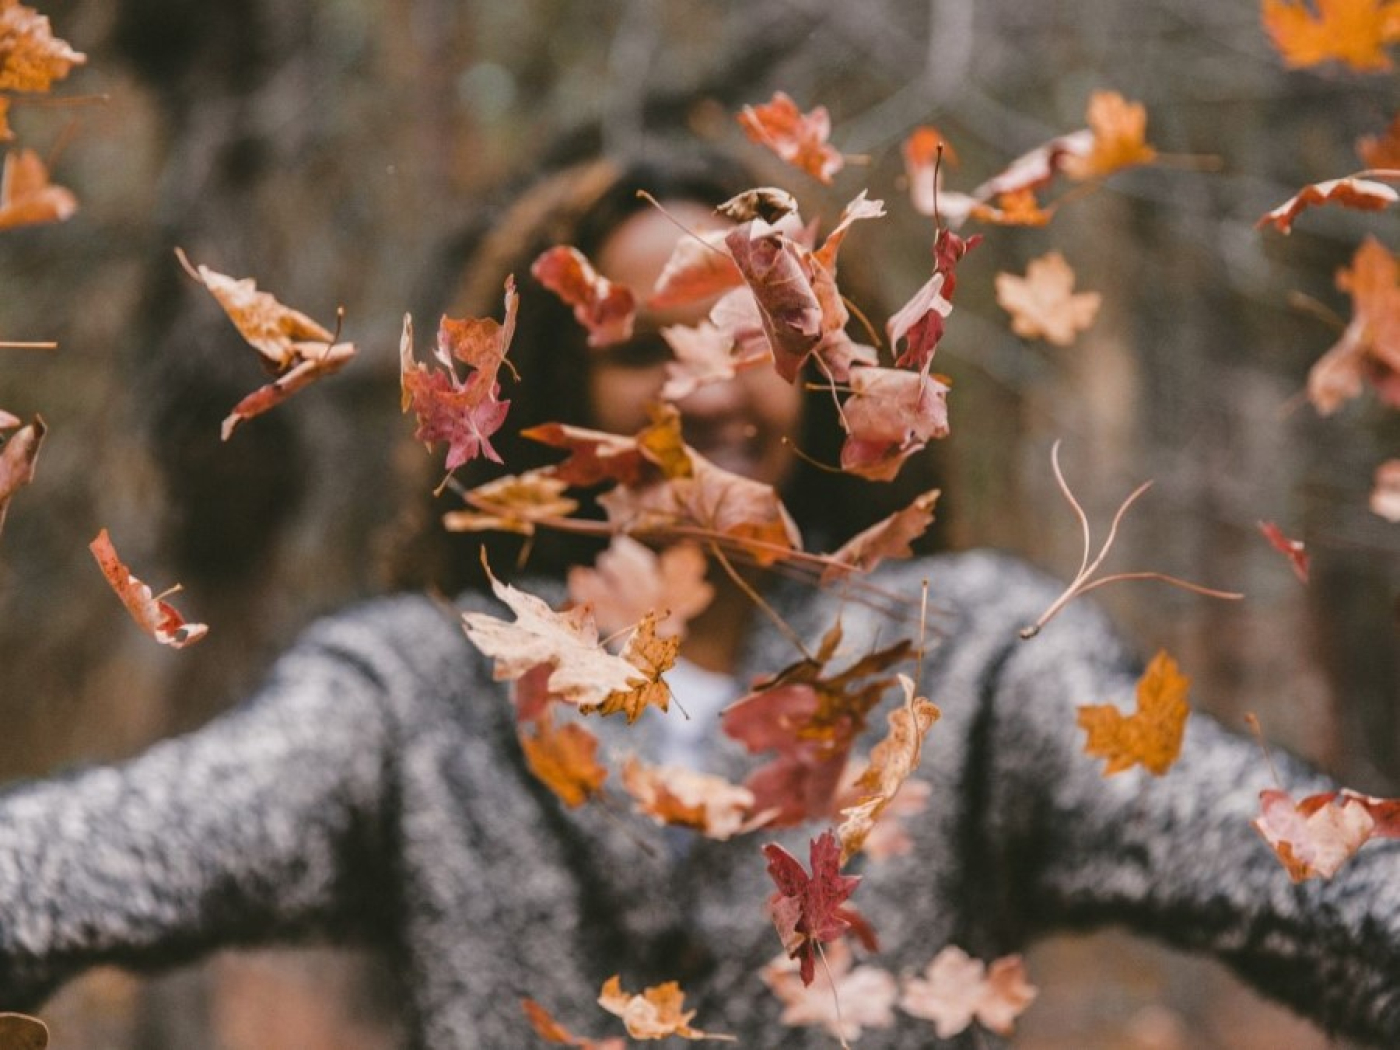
[
  {"x": 267, "y": 822},
  {"x": 1174, "y": 857}
]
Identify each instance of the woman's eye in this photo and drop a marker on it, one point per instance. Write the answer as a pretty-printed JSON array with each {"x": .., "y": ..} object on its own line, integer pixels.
[{"x": 641, "y": 351}]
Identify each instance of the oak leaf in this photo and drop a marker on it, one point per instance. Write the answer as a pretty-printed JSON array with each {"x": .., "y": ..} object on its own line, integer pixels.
[
  {"x": 564, "y": 759},
  {"x": 859, "y": 998},
  {"x": 892, "y": 761},
  {"x": 18, "y": 458},
  {"x": 1151, "y": 736},
  {"x": 606, "y": 310},
  {"x": 629, "y": 579},
  {"x": 1350, "y": 192},
  {"x": 31, "y": 57},
  {"x": 955, "y": 989},
  {"x": 656, "y": 1013},
  {"x": 27, "y": 198},
  {"x": 888, "y": 538},
  {"x": 1119, "y": 130},
  {"x": 809, "y": 910},
  {"x": 1385, "y": 492},
  {"x": 1293, "y": 550},
  {"x": 1043, "y": 302},
  {"x": 514, "y": 503},
  {"x": 1354, "y": 32},
  {"x": 798, "y": 138},
  {"x": 685, "y": 798},
  {"x": 154, "y": 616}
]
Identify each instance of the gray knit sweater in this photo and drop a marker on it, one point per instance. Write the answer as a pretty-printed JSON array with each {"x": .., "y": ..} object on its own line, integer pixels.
[{"x": 373, "y": 789}]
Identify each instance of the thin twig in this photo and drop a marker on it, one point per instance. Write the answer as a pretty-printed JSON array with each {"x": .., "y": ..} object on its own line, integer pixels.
[
  {"x": 7, "y": 344},
  {"x": 836, "y": 999},
  {"x": 757, "y": 599}
]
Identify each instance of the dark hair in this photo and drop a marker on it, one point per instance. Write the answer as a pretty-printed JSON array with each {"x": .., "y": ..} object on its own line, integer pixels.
[{"x": 581, "y": 205}]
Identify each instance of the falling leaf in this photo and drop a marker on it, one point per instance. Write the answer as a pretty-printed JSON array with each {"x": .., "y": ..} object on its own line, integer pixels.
[
  {"x": 1381, "y": 151},
  {"x": 1369, "y": 347},
  {"x": 20, "y": 1031},
  {"x": 629, "y": 579},
  {"x": 594, "y": 455},
  {"x": 18, "y": 458},
  {"x": 1018, "y": 207},
  {"x": 769, "y": 203},
  {"x": 892, "y": 761},
  {"x": 31, "y": 57},
  {"x": 550, "y": 1030},
  {"x": 798, "y": 138},
  {"x": 1315, "y": 836},
  {"x": 1385, "y": 494},
  {"x": 1350, "y": 192},
  {"x": 514, "y": 503},
  {"x": 1351, "y": 31},
  {"x": 888, "y": 837},
  {"x": 462, "y": 412},
  {"x": 705, "y": 354},
  {"x": 291, "y": 346},
  {"x": 564, "y": 759},
  {"x": 808, "y": 910},
  {"x": 606, "y": 310},
  {"x": 888, "y": 538},
  {"x": 1119, "y": 130},
  {"x": 654, "y": 1014},
  {"x": 956, "y": 989},
  {"x": 685, "y": 798},
  {"x": 774, "y": 266},
  {"x": 27, "y": 198},
  {"x": 856, "y": 999},
  {"x": 154, "y": 616},
  {"x": 1151, "y": 736},
  {"x": 1043, "y": 302},
  {"x": 890, "y": 415},
  {"x": 650, "y": 654},
  {"x": 920, "y": 321},
  {"x": 922, "y": 150},
  {"x": 699, "y": 268},
  {"x": 1291, "y": 549}
]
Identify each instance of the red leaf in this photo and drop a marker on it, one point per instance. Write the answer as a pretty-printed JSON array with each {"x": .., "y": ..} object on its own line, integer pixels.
[
  {"x": 1290, "y": 549},
  {"x": 798, "y": 138},
  {"x": 807, "y": 909},
  {"x": 155, "y": 617},
  {"x": 605, "y": 309},
  {"x": 773, "y": 267},
  {"x": 891, "y": 414}
]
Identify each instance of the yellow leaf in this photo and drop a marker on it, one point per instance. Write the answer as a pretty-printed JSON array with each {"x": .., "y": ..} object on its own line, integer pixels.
[
  {"x": 1351, "y": 31},
  {"x": 1151, "y": 735}
]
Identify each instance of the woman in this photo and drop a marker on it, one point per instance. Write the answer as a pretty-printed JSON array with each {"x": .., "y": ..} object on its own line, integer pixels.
[{"x": 374, "y": 787}]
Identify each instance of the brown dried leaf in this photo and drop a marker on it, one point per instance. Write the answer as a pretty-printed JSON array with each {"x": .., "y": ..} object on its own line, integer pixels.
[
  {"x": 514, "y": 503},
  {"x": 154, "y": 616},
  {"x": 1350, "y": 192},
  {"x": 1151, "y": 736},
  {"x": 564, "y": 759},
  {"x": 685, "y": 798},
  {"x": 656, "y": 1013},
  {"x": 888, "y": 538},
  {"x": 31, "y": 57}
]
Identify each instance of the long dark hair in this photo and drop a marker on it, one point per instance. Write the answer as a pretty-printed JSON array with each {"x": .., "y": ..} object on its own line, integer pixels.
[{"x": 581, "y": 205}]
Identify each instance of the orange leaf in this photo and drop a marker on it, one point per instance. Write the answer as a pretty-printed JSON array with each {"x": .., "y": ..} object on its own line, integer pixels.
[
  {"x": 798, "y": 138},
  {"x": 31, "y": 57},
  {"x": 514, "y": 503},
  {"x": 888, "y": 538},
  {"x": 606, "y": 310},
  {"x": 1369, "y": 348},
  {"x": 550, "y": 1030},
  {"x": 564, "y": 759},
  {"x": 1362, "y": 194},
  {"x": 1014, "y": 208},
  {"x": 1351, "y": 31},
  {"x": 651, "y": 655},
  {"x": 1381, "y": 151},
  {"x": 1043, "y": 302},
  {"x": 27, "y": 198},
  {"x": 155, "y": 617},
  {"x": 22, "y": 1032},
  {"x": 1151, "y": 735},
  {"x": 921, "y": 151},
  {"x": 1120, "y": 138},
  {"x": 955, "y": 988},
  {"x": 1314, "y": 837},
  {"x": 684, "y": 798},
  {"x": 699, "y": 268},
  {"x": 654, "y": 1014},
  {"x": 6, "y": 132}
]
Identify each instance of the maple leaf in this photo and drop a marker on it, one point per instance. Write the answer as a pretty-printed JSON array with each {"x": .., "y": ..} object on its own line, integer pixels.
[
  {"x": 891, "y": 414},
  {"x": 1315, "y": 836},
  {"x": 27, "y": 198},
  {"x": 550, "y": 1030},
  {"x": 808, "y": 909},
  {"x": 594, "y": 455},
  {"x": 1381, "y": 151},
  {"x": 22, "y": 1032},
  {"x": 154, "y": 616},
  {"x": 31, "y": 57},
  {"x": 858, "y": 998},
  {"x": 887, "y": 837},
  {"x": 1043, "y": 302},
  {"x": 629, "y": 579},
  {"x": 290, "y": 345},
  {"x": 1369, "y": 347},
  {"x": 18, "y": 458},
  {"x": 1385, "y": 493},
  {"x": 1354, "y": 32},
  {"x": 651, "y": 655},
  {"x": 1119, "y": 130},
  {"x": 706, "y": 353},
  {"x": 888, "y": 538},
  {"x": 798, "y": 138},
  {"x": 606, "y": 310},
  {"x": 1151, "y": 735},
  {"x": 1350, "y": 192},
  {"x": 462, "y": 412},
  {"x": 892, "y": 761},
  {"x": 685, "y": 798},
  {"x": 922, "y": 150},
  {"x": 514, "y": 503},
  {"x": 583, "y": 672},
  {"x": 655, "y": 1013},
  {"x": 1291, "y": 549},
  {"x": 699, "y": 268},
  {"x": 564, "y": 759},
  {"x": 955, "y": 989}
]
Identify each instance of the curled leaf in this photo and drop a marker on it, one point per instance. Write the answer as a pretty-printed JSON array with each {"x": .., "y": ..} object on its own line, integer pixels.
[
  {"x": 1293, "y": 550},
  {"x": 18, "y": 458},
  {"x": 798, "y": 138},
  {"x": 684, "y": 798},
  {"x": 606, "y": 310},
  {"x": 656, "y": 1013},
  {"x": 1351, "y": 192},
  {"x": 154, "y": 616}
]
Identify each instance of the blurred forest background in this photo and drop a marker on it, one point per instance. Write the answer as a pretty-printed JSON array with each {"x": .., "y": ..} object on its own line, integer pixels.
[{"x": 334, "y": 148}]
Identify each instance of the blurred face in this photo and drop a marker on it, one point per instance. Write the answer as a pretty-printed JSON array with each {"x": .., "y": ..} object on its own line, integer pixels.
[{"x": 738, "y": 424}]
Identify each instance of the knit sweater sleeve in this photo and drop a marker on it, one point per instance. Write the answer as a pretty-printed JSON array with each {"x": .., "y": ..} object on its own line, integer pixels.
[
  {"x": 1172, "y": 857},
  {"x": 266, "y": 821}
]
